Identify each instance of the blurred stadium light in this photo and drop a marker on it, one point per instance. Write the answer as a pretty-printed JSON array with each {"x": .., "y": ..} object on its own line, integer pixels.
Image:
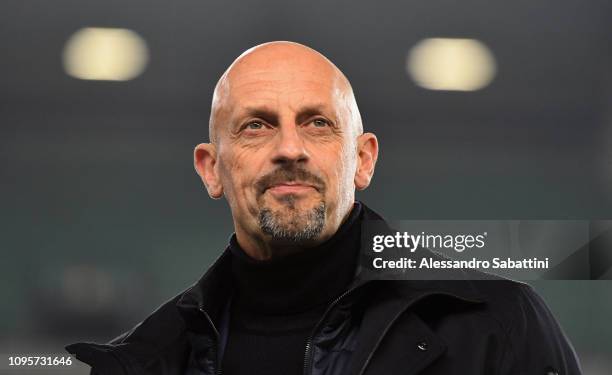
[
  {"x": 452, "y": 64},
  {"x": 96, "y": 53}
]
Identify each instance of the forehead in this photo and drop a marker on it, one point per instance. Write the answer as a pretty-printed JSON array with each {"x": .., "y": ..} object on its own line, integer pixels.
[{"x": 287, "y": 80}]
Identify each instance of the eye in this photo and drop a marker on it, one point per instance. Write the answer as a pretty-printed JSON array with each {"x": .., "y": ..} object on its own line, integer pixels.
[
  {"x": 320, "y": 123},
  {"x": 254, "y": 125}
]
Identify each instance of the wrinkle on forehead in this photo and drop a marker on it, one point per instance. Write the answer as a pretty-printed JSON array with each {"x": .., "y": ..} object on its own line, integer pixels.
[{"x": 286, "y": 59}]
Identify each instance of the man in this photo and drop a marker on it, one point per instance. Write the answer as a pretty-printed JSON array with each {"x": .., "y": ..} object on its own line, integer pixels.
[{"x": 288, "y": 295}]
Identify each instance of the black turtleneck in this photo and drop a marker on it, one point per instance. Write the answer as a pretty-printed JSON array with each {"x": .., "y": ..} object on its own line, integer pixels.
[{"x": 278, "y": 302}]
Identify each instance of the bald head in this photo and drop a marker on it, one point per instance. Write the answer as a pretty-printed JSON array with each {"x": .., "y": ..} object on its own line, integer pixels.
[{"x": 280, "y": 64}]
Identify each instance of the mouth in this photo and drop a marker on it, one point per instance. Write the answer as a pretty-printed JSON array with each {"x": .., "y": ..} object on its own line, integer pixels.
[{"x": 291, "y": 187}]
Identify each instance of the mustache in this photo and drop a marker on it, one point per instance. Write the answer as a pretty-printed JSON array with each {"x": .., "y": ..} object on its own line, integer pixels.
[{"x": 289, "y": 174}]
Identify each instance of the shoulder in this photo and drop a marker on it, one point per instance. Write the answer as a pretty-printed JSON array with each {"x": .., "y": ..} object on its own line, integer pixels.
[
  {"x": 535, "y": 338},
  {"x": 510, "y": 301},
  {"x": 513, "y": 305},
  {"x": 161, "y": 326},
  {"x": 530, "y": 337},
  {"x": 158, "y": 340},
  {"x": 519, "y": 310}
]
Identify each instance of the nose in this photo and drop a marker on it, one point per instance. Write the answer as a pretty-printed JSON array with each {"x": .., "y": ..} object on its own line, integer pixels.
[{"x": 290, "y": 147}]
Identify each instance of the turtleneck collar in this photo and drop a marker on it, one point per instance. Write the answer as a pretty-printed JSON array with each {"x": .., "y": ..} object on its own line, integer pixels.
[{"x": 301, "y": 281}]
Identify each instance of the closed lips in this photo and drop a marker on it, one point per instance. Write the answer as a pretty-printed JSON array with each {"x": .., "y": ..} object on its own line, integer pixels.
[{"x": 291, "y": 185}]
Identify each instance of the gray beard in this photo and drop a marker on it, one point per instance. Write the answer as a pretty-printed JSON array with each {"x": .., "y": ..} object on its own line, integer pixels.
[{"x": 294, "y": 226}]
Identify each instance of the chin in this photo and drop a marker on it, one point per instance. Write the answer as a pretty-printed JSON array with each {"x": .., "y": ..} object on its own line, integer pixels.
[{"x": 293, "y": 220}]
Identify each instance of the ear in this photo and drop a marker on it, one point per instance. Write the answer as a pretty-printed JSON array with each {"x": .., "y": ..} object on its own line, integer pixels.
[
  {"x": 367, "y": 154},
  {"x": 205, "y": 163}
]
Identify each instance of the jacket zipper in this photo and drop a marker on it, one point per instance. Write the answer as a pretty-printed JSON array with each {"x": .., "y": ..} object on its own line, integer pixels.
[
  {"x": 217, "y": 337},
  {"x": 308, "y": 350}
]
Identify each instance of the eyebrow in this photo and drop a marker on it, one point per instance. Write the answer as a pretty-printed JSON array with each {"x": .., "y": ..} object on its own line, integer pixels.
[
  {"x": 263, "y": 112},
  {"x": 271, "y": 115},
  {"x": 310, "y": 111}
]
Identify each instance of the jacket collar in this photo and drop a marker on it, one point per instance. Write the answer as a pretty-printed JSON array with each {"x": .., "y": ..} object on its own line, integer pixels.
[{"x": 209, "y": 295}]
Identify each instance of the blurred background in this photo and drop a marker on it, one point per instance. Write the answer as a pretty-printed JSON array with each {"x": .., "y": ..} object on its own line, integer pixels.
[{"x": 484, "y": 110}]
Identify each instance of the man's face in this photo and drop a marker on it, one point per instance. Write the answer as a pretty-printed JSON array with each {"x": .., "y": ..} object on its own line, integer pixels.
[{"x": 286, "y": 147}]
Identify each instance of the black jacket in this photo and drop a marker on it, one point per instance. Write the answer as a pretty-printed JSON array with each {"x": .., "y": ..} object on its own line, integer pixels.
[{"x": 377, "y": 327}]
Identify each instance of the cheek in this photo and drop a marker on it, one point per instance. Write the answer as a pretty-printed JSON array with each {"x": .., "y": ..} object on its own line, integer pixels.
[
  {"x": 347, "y": 168},
  {"x": 229, "y": 172},
  {"x": 239, "y": 170},
  {"x": 338, "y": 164}
]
